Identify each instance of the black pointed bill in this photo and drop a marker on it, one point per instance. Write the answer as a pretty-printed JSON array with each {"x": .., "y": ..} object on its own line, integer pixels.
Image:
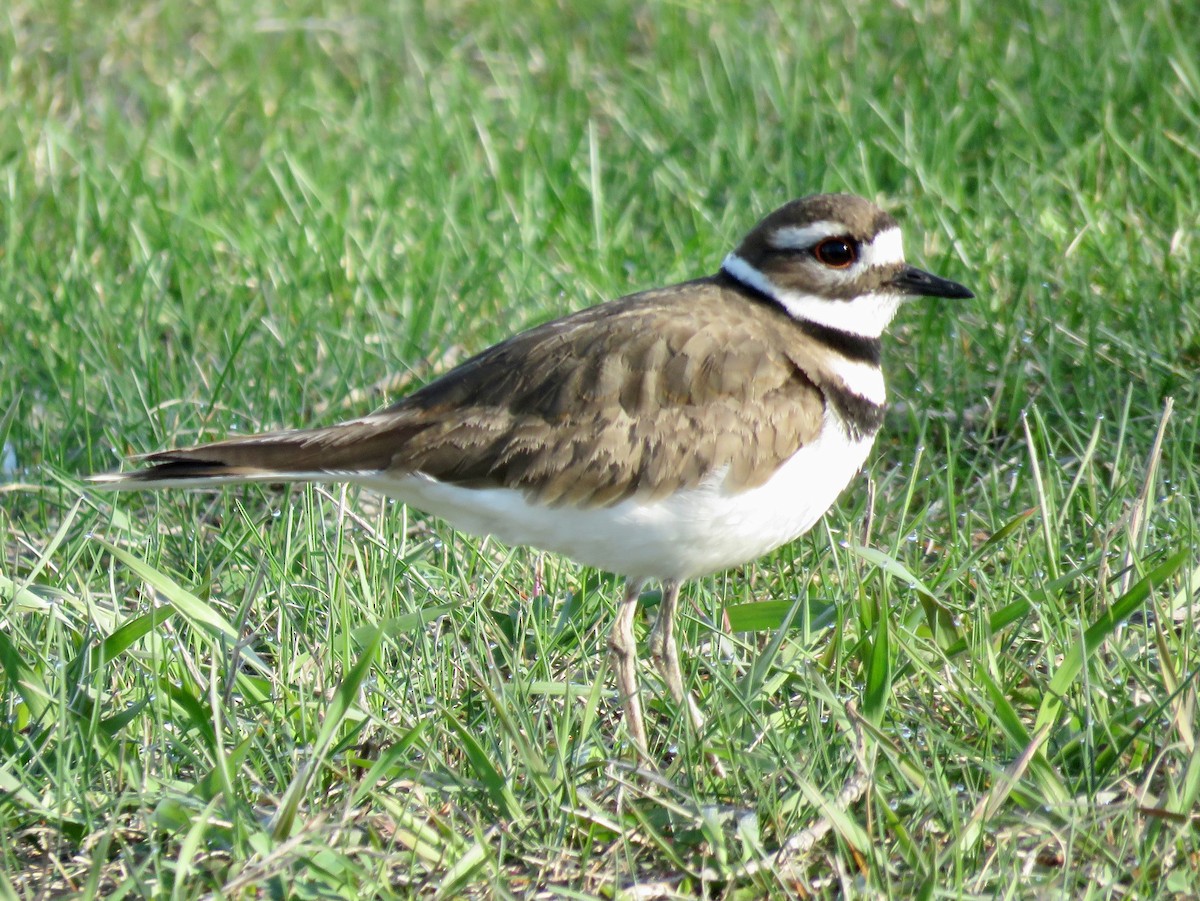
[{"x": 919, "y": 283}]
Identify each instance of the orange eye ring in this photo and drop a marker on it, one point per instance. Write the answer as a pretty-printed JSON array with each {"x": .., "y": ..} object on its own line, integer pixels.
[{"x": 837, "y": 253}]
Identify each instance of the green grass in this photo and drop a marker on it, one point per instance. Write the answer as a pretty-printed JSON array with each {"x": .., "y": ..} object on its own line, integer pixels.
[{"x": 224, "y": 217}]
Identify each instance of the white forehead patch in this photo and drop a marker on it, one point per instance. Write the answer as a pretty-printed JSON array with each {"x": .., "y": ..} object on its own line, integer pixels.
[
  {"x": 886, "y": 250},
  {"x": 798, "y": 237}
]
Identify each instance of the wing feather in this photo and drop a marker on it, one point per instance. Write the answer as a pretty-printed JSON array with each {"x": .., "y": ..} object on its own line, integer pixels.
[{"x": 640, "y": 397}]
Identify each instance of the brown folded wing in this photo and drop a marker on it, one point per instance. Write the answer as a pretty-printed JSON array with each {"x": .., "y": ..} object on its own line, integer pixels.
[{"x": 640, "y": 397}]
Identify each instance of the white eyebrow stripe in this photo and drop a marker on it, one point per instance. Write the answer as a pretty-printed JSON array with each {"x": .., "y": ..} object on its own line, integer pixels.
[
  {"x": 887, "y": 249},
  {"x": 798, "y": 237}
]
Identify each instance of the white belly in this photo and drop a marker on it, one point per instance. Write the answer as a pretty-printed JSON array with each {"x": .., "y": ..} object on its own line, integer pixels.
[{"x": 698, "y": 531}]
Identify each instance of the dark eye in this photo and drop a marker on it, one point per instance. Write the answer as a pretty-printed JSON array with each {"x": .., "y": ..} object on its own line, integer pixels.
[{"x": 836, "y": 253}]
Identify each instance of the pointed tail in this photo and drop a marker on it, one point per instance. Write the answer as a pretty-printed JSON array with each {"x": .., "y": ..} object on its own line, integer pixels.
[{"x": 338, "y": 453}]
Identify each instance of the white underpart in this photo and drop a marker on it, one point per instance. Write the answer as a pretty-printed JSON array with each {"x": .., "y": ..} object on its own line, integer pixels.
[
  {"x": 691, "y": 533},
  {"x": 697, "y": 531}
]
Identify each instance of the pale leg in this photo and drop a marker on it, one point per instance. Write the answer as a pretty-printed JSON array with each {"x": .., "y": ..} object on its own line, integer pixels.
[
  {"x": 624, "y": 656},
  {"x": 664, "y": 650}
]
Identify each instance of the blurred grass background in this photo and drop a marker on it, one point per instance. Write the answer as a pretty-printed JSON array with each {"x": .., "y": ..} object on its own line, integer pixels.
[{"x": 226, "y": 217}]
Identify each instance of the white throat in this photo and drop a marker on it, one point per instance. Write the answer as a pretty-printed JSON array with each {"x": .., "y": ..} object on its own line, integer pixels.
[{"x": 865, "y": 316}]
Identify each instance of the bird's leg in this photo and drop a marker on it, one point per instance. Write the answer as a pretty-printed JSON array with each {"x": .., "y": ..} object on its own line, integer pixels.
[
  {"x": 665, "y": 652},
  {"x": 624, "y": 656},
  {"x": 662, "y": 641}
]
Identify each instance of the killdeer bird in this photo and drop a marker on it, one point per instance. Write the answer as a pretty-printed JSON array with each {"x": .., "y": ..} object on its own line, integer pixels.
[{"x": 662, "y": 436}]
